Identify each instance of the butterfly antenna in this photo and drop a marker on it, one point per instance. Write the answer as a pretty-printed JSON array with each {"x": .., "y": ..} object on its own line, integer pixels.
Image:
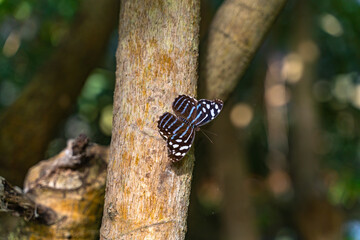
[
  {"x": 209, "y": 132},
  {"x": 206, "y": 136}
]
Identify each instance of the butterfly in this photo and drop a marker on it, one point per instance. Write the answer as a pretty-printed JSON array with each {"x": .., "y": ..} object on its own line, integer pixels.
[{"x": 179, "y": 129}]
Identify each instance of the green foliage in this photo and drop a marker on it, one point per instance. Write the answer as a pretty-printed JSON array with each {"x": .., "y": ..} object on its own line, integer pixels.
[{"x": 29, "y": 33}]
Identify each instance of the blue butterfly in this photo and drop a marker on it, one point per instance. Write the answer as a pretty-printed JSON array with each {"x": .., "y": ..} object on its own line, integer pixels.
[{"x": 179, "y": 130}]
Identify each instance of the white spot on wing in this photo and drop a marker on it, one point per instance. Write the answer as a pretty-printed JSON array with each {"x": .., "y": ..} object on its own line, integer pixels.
[{"x": 183, "y": 148}]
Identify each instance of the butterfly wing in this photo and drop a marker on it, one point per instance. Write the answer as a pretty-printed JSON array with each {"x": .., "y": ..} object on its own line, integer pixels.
[
  {"x": 185, "y": 107},
  {"x": 179, "y": 135},
  {"x": 207, "y": 110},
  {"x": 180, "y": 143},
  {"x": 169, "y": 124}
]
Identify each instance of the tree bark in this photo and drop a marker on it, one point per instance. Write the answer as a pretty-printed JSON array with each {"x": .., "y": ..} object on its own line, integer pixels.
[
  {"x": 63, "y": 196},
  {"x": 146, "y": 195},
  {"x": 29, "y": 124},
  {"x": 236, "y": 33}
]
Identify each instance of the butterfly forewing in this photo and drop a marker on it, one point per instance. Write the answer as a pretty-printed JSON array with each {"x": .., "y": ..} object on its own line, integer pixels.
[
  {"x": 207, "y": 110},
  {"x": 185, "y": 107}
]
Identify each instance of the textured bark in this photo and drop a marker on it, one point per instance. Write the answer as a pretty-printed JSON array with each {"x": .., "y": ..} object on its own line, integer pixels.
[
  {"x": 63, "y": 196},
  {"x": 236, "y": 33},
  {"x": 147, "y": 196},
  {"x": 29, "y": 124}
]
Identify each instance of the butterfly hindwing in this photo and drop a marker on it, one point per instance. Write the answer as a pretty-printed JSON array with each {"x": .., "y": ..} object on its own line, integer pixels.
[
  {"x": 180, "y": 143},
  {"x": 168, "y": 124}
]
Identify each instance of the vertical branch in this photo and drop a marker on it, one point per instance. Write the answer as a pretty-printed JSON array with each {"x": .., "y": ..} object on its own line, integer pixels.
[
  {"x": 147, "y": 196},
  {"x": 310, "y": 191}
]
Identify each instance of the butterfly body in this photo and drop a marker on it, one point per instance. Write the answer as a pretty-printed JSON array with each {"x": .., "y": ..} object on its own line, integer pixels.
[{"x": 179, "y": 129}]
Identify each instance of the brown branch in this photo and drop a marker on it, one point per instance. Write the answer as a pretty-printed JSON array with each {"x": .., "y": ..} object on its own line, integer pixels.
[{"x": 235, "y": 35}]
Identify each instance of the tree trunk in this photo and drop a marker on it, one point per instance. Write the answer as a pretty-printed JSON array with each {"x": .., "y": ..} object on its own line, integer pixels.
[
  {"x": 27, "y": 126},
  {"x": 147, "y": 196},
  {"x": 63, "y": 196}
]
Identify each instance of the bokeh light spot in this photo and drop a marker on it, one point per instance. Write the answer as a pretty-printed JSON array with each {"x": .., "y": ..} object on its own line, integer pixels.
[
  {"x": 308, "y": 51},
  {"x": 331, "y": 25},
  {"x": 106, "y": 120},
  {"x": 343, "y": 88},
  {"x": 277, "y": 95},
  {"x": 293, "y": 68},
  {"x": 279, "y": 182},
  {"x": 11, "y": 45},
  {"x": 94, "y": 85},
  {"x": 241, "y": 115},
  {"x": 356, "y": 96},
  {"x": 23, "y": 11},
  {"x": 352, "y": 230}
]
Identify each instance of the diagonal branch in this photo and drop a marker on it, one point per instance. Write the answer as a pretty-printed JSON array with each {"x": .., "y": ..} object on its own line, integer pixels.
[{"x": 236, "y": 33}]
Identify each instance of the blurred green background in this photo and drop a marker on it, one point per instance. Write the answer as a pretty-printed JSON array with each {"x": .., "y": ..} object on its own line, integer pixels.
[
  {"x": 30, "y": 31},
  {"x": 318, "y": 41}
]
